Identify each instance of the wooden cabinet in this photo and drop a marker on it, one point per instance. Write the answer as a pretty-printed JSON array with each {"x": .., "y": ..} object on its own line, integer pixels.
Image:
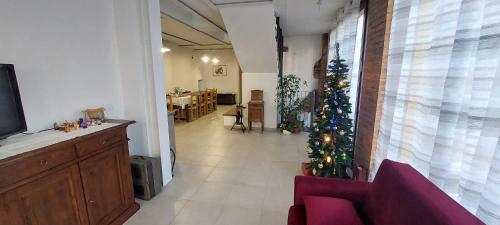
[
  {"x": 102, "y": 175},
  {"x": 226, "y": 99},
  {"x": 33, "y": 163},
  {"x": 83, "y": 181},
  {"x": 55, "y": 199}
]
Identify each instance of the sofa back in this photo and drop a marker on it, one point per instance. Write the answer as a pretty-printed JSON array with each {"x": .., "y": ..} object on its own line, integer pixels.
[{"x": 401, "y": 195}]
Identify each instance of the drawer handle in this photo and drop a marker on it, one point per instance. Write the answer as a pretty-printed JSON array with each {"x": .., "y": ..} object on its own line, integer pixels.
[
  {"x": 91, "y": 202},
  {"x": 103, "y": 142},
  {"x": 44, "y": 162}
]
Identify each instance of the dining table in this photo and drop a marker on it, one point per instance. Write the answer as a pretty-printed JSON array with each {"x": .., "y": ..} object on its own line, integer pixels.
[{"x": 181, "y": 101}]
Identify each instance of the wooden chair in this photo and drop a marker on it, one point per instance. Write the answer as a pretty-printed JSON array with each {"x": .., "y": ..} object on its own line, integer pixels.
[
  {"x": 202, "y": 107},
  {"x": 256, "y": 109},
  {"x": 210, "y": 107},
  {"x": 192, "y": 112},
  {"x": 170, "y": 107},
  {"x": 206, "y": 107},
  {"x": 214, "y": 98}
]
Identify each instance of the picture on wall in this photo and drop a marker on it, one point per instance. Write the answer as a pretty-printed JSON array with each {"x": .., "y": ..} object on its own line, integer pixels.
[{"x": 220, "y": 70}]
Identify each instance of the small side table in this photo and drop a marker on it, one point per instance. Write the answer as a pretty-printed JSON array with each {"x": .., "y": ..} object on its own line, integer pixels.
[{"x": 239, "y": 118}]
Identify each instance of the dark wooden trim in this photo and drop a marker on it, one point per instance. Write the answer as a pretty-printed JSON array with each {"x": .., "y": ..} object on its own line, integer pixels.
[
  {"x": 325, "y": 41},
  {"x": 204, "y": 45},
  {"x": 171, "y": 35},
  {"x": 120, "y": 220},
  {"x": 211, "y": 49},
  {"x": 203, "y": 32},
  {"x": 281, "y": 49},
  {"x": 243, "y": 2}
]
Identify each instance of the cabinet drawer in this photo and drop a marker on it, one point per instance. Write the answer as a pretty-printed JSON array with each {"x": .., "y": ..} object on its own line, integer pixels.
[
  {"x": 35, "y": 162},
  {"x": 98, "y": 142}
]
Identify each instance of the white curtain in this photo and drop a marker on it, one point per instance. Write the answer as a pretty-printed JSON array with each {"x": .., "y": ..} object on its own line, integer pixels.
[
  {"x": 441, "y": 110},
  {"x": 345, "y": 32}
]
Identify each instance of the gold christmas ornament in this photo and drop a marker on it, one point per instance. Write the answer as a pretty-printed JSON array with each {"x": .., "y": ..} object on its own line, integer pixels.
[
  {"x": 320, "y": 165},
  {"x": 327, "y": 138},
  {"x": 328, "y": 159},
  {"x": 314, "y": 171}
]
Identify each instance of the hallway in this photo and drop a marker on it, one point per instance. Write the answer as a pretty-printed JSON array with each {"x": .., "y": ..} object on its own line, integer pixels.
[{"x": 225, "y": 177}]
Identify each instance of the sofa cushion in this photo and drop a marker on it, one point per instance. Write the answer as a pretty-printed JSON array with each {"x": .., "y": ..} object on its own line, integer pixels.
[
  {"x": 330, "y": 211},
  {"x": 401, "y": 195},
  {"x": 297, "y": 215}
]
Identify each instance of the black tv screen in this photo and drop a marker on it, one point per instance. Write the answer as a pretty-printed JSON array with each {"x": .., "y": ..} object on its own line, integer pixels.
[{"x": 12, "y": 119}]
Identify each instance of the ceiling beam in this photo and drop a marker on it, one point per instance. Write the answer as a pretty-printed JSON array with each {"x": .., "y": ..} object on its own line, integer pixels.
[
  {"x": 180, "y": 21},
  {"x": 204, "y": 17},
  {"x": 211, "y": 49},
  {"x": 240, "y": 2},
  {"x": 186, "y": 40}
]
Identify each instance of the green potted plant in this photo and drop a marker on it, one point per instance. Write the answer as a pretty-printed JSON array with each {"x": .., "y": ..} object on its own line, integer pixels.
[{"x": 290, "y": 103}]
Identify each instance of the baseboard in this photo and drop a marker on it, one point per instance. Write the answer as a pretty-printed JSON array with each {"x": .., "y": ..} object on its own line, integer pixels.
[{"x": 126, "y": 215}]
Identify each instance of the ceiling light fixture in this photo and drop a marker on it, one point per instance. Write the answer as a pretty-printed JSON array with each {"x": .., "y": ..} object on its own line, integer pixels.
[
  {"x": 205, "y": 59},
  {"x": 215, "y": 60},
  {"x": 163, "y": 50}
]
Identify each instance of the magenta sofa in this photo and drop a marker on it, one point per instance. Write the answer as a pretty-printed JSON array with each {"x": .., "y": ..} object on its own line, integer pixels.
[{"x": 399, "y": 195}]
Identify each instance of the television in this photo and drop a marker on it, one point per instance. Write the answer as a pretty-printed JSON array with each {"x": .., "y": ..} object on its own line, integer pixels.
[{"x": 12, "y": 119}]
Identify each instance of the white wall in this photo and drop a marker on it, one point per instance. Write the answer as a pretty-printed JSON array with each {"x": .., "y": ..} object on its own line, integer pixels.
[
  {"x": 303, "y": 52},
  {"x": 181, "y": 68},
  {"x": 252, "y": 30},
  {"x": 226, "y": 84},
  {"x": 266, "y": 82},
  {"x": 64, "y": 56},
  {"x": 72, "y": 54}
]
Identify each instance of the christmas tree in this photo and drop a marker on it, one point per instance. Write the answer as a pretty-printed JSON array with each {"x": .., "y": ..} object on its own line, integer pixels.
[{"x": 330, "y": 141}]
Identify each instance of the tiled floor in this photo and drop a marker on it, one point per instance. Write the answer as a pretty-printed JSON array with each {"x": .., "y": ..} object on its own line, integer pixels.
[{"x": 225, "y": 177}]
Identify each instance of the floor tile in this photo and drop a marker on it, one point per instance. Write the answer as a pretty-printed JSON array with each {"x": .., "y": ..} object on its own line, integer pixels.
[
  {"x": 232, "y": 215},
  {"x": 198, "y": 213},
  {"x": 225, "y": 177},
  {"x": 247, "y": 196},
  {"x": 273, "y": 218},
  {"x": 213, "y": 192}
]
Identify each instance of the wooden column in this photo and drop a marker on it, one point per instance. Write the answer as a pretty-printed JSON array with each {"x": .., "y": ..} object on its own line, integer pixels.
[
  {"x": 323, "y": 67},
  {"x": 378, "y": 25}
]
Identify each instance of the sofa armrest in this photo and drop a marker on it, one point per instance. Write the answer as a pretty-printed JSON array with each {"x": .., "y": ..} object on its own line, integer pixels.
[{"x": 354, "y": 191}]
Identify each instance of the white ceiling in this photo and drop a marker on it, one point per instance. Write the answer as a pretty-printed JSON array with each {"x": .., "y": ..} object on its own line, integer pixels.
[
  {"x": 206, "y": 9},
  {"x": 194, "y": 24},
  {"x": 200, "y": 21},
  {"x": 306, "y": 17}
]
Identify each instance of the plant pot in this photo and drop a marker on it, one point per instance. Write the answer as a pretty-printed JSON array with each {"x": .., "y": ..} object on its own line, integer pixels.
[
  {"x": 286, "y": 132},
  {"x": 305, "y": 171},
  {"x": 296, "y": 130}
]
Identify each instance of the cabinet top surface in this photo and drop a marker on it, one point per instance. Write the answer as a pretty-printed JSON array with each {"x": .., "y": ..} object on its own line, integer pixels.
[{"x": 22, "y": 143}]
